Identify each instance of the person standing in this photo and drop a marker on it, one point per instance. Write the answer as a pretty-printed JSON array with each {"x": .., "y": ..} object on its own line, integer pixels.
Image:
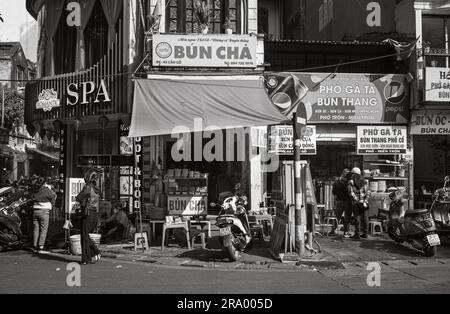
[
  {"x": 359, "y": 192},
  {"x": 44, "y": 199},
  {"x": 88, "y": 200},
  {"x": 343, "y": 200}
]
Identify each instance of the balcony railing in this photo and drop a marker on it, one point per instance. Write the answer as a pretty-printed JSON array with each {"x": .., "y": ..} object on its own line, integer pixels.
[{"x": 110, "y": 69}]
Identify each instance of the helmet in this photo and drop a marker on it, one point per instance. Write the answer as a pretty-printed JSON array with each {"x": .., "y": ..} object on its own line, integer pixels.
[
  {"x": 356, "y": 170},
  {"x": 91, "y": 176}
]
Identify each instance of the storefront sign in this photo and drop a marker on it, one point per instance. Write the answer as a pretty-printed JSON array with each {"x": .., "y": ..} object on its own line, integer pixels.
[
  {"x": 386, "y": 140},
  {"x": 87, "y": 90},
  {"x": 47, "y": 100},
  {"x": 198, "y": 50},
  {"x": 342, "y": 98},
  {"x": 73, "y": 188},
  {"x": 187, "y": 205},
  {"x": 282, "y": 140},
  {"x": 437, "y": 84},
  {"x": 430, "y": 123}
]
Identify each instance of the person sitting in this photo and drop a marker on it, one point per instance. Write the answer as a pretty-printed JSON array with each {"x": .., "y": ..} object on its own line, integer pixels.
[{"x": 115, "y": 226}]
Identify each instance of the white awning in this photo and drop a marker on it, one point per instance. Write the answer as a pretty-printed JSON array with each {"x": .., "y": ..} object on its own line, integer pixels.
[{"x": 182, "y": 104}]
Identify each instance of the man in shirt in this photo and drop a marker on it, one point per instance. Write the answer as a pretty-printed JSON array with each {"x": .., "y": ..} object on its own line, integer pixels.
[
  {"x": 343, "y": 200},
  {"x": 116, "y": 225}
]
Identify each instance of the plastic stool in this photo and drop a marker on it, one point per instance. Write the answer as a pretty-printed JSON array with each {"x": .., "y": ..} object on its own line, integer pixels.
[
  {"x": 182, "y": 225},
  {"x": 331, "y": 221},
  {"x": 202, "y": 238},
  {"x": 373, "y": 225}
]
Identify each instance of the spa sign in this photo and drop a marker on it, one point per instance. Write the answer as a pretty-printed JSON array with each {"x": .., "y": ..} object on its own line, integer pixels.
[
  {"x": 437, "y": 84},
  {"x": 198, "y": 50},
  {"x": 386, "y": 140},
  {"x": 342, "y": 97}
]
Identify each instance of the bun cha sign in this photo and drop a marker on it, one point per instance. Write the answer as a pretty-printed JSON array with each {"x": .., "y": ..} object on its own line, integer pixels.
[
  {"x": 198, "y": 50},
  {"x": 76, "y": 93}
]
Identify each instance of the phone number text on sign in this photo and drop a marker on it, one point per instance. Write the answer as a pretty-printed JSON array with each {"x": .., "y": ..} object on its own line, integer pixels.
[{"x": 387, "y": 140}]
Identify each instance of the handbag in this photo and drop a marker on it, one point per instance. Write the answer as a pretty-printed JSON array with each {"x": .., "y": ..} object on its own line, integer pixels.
[{"x": 82, "y": 209}]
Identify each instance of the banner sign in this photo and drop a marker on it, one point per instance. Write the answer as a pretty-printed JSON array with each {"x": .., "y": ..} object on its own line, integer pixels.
[
  {"x": 437, "y": 84},
  {"x": 73, "y": 188},
  {"x": 198, "y": 50},
  {"x": 428, "y": 122},
  {"x": 282, "y": 140},
  {"x": 386, "y": 140},
  {"x": 342, "y": 97},
  {"x": 187, "y": 205}
]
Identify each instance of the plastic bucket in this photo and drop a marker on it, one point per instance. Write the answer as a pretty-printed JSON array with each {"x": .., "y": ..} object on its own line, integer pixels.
[{"x": 75, "y": 242}]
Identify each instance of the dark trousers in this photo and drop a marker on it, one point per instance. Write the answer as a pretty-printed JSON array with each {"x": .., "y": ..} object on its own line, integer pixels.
[
  {"x": 362, "y": 218},
  {"x": 88, "y": 247},
  {"x": 344, "y": 207}
]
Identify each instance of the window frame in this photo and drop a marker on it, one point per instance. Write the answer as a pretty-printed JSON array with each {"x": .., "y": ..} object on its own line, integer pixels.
[{"x": 181, "y": 9}]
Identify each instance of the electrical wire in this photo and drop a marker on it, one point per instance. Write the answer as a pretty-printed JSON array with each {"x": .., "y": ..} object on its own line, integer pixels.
[{"x": 249, "y": 73}]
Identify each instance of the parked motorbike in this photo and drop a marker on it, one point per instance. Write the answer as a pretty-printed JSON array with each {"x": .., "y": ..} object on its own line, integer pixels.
[
  {"x": 440, "y": 208},
  {"x": 234, "y": 228},
  {"x": 11, "y": 205},
  {"x": 415, "y": 226}
]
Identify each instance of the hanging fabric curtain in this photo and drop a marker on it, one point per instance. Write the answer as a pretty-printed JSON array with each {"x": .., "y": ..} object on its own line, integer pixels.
[
  {"x": 42, "y": 43},
  {"x": 87, "y": 6},
  {"x": 51, "y": 14},
  {"x": 112, "y": 10},
  {"x": 181, "y": 104}
]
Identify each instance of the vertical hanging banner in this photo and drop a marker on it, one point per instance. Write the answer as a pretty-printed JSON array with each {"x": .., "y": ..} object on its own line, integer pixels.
[
  {"x": 62, "y": 166},
  {"x": 126, "y": 172},
  {"x": 386, "y": 140},
  {"x": 137, "y": 186}
]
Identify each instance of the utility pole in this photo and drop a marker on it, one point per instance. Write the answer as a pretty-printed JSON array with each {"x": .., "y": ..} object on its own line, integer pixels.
[{"x": 300, "y": 224}]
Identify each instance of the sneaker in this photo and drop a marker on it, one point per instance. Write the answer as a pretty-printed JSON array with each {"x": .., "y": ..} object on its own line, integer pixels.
[{"x": 347, "y": 235}]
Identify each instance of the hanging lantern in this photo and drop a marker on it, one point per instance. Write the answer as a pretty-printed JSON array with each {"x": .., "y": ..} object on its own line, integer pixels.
[
  {"x": 57, "y": 125},
  {"x": 49, "y": 134},
  {"x": 103, "y": 120},
  {"x": 78, "y": 123},
  {"x": 31, "y": 130},
  {"x": 42, "y": 133}
]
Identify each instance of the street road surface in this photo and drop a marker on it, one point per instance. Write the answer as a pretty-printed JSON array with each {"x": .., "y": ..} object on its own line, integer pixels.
[{"x": 21, "y": 272}]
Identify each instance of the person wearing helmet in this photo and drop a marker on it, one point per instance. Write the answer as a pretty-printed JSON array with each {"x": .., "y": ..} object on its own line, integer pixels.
[
  {"x": 359, "y": 194},
  {"x": 88, "y": 200},
  {"x": 44, "y": 199}
]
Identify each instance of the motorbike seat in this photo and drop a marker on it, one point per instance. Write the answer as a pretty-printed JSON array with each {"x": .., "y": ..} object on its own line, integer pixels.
[{"x": 415, "y": 212}]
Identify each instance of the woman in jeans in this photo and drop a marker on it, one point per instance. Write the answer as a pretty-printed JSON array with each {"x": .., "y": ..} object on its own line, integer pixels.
[
  {"x": 44, "y": 199},
  {"x": 89, "y": 200}
]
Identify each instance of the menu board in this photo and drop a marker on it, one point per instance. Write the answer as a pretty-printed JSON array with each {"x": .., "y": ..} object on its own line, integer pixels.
[{"x": 386, "y": 140}]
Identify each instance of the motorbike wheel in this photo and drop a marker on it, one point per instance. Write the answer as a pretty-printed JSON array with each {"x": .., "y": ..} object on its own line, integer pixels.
[
  {"x": 232, "y": 253},
  {"x": 393, "y": 235},
  {"x": 430, "y": 251}
]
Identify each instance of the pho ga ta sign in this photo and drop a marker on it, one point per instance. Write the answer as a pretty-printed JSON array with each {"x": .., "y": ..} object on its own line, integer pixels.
[
  {"x": 198, "y": 50},
  {"x": 386, "y": 140},
  {"x": 342, "y": 97}
]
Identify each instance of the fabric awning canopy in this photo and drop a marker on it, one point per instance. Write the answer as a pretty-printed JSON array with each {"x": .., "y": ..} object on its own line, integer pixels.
[
  {"x": 171, "y": 104},
  {"x": 49, "y": 155}
]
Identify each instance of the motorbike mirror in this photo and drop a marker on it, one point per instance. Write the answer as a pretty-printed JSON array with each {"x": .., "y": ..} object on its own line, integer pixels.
[
  {"x": 447, "y": 178},
  {"x": 212, "y": 204}
]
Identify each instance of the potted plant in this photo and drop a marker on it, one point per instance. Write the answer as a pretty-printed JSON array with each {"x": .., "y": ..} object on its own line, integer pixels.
[
  {"x": 227, "y": 26},
  {"x": 202, "y": 15}
]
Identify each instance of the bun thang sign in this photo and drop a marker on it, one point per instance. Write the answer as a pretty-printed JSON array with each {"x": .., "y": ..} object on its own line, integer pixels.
[{"x": 198, "y": 50}]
